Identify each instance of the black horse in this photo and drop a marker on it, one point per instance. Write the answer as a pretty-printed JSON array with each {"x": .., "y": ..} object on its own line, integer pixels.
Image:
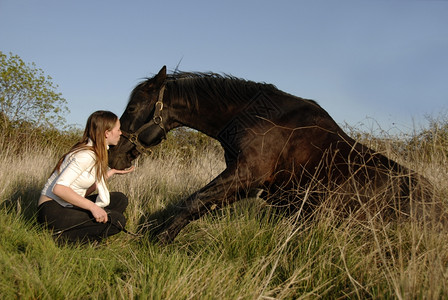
[{"x": 285, "y": 146}]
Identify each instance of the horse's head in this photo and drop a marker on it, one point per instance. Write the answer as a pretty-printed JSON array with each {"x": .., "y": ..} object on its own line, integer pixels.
[{"x": 142, "y": 123}]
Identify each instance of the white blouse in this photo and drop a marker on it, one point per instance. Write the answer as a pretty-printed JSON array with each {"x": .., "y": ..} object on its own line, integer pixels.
[{"x": 78, "y": 173}]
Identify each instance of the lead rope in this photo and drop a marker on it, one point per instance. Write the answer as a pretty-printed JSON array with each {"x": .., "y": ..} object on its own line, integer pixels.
[{"x": 121, "y": 227}]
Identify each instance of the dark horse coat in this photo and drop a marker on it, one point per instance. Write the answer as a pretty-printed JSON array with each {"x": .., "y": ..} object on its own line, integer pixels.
[{"x": 285, "y": 146}]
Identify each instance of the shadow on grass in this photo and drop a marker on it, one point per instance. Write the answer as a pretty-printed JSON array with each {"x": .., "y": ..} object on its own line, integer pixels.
[
  {"x": 22, "y": 199},
  {"x": 153, "y": 224}
]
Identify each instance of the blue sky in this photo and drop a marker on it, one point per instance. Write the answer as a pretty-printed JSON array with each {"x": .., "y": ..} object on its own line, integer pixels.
[{"x": 365, "y": 62}]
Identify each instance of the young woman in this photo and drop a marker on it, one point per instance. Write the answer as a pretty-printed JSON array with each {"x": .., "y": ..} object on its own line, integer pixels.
[{"x": 66, "y": 206}]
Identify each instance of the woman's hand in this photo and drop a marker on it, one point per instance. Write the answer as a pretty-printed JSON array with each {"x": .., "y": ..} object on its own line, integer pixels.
[
  {"x": 99, "y": 214},
  {"x": 112, "y": 172}
]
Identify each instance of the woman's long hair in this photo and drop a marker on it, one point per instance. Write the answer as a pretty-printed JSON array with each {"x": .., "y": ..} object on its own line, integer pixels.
[{"x": 95, "y": 129}]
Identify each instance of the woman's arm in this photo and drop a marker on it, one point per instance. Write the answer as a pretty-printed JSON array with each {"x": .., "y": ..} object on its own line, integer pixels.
[
  {"x": 78, "y": 163},
  {"x": 67, "y": 194}
]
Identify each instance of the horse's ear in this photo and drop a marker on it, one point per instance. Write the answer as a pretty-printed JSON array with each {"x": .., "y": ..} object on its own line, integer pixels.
[{"x": 161, "y": 76}]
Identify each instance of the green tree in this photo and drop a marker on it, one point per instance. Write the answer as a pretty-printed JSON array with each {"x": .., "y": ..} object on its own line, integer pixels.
[{"x": 27, "y": 95}]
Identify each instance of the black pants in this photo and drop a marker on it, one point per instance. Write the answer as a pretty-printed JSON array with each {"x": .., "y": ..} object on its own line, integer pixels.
[{"x": 74, "y": 224}]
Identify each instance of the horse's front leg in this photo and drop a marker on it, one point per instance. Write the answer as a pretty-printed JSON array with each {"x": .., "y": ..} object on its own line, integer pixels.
[{"x": 223, "y": 190}]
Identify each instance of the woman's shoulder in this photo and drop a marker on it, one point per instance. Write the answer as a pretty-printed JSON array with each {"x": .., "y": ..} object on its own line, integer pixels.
[{"x": 83, "y": 155}]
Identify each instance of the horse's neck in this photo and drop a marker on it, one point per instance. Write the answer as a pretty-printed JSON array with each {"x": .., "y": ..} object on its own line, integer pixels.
[{"x": 206, "y": 116}]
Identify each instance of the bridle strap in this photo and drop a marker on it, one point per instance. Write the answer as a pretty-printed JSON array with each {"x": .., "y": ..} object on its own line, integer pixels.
[
  {"x": 158, "y": 109},
  {"x": 157, "y": 119}
]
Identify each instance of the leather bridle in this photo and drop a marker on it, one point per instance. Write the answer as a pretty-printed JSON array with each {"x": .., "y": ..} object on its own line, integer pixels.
[{"x": 157, "y": 119}]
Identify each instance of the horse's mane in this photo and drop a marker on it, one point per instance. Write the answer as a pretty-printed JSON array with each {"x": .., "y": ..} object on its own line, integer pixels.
[
  {"x": 210, "y": 80},
  {"x": 222, "y": 89}
]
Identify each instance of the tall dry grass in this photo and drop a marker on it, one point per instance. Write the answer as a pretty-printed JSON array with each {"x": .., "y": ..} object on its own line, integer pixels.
[{"x": 244, "y": 251}]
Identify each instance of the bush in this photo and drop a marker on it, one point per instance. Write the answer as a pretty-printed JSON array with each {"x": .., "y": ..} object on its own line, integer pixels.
[
  {"x": 433, "y": 140},
  {"x": 186, "y": 143},
  {"x": 27, "y": 95},
  {"x": 18, "y": 137}
]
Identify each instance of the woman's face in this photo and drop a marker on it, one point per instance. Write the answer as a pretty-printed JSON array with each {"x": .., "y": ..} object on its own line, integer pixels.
[{"x": 113, "y": 135}]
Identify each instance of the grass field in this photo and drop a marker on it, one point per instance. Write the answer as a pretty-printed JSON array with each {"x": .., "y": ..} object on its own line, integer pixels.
[{"x": 240, "y": 252}]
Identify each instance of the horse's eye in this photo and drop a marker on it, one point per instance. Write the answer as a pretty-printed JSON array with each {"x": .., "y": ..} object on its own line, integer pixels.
[{"x": 132, "y": 109}]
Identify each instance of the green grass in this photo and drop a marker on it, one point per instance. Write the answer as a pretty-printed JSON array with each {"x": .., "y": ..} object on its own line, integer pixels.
[{"x": 244, "y": 251}]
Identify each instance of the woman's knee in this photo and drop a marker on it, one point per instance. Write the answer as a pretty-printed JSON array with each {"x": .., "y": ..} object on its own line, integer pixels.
[
  {"x": 117, "y": 219},
  {"x": 119, "y": 197},
  {"x": 118, "y": 201}
]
